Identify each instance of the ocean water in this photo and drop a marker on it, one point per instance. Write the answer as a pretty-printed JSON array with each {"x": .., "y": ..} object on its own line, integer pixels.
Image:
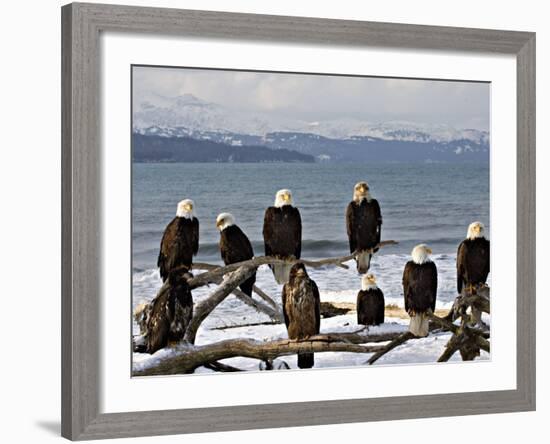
[{"x": 421, "y": 203}]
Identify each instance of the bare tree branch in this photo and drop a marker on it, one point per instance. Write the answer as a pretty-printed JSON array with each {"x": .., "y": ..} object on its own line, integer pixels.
[
  {"x": 258, "y": 291},
  {"x": 219, "y": 271},
  {"x": 203, "y": 309},
  {"x": 450, "y": 349},
  {"x": 265, "y": 297},
  {"x": 401, "y": 339},
  {"x": 273, "y": 313},
  {"x": 462, "y": 338}
]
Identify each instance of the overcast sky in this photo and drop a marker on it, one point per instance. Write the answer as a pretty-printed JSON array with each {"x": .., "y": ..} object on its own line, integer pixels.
[{"x": 319, "y": 97}]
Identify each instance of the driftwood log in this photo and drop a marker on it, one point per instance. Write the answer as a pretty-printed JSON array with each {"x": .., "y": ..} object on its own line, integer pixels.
[
  {"x": 215, "y": 275},
  {"x": 466, "y": 339},
  {"x": 188, "y": 357},
  {"x": 202, "y": 310}
]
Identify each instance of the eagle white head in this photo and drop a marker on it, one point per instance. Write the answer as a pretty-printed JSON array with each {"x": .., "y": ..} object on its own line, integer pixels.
[
  {"x": 368, "y": 282},
  {"x": 224, "y": 220},
  {"x": 186, "y": 209},
  {"x": 421, "y": 254},
  {"x": 361, "y": 191},
  {"x": 283, "y": 197},
  {"x": 475, "y": 230}
]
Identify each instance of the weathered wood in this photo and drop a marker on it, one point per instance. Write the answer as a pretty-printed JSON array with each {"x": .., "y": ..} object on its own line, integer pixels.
[
  {"x": 265, "y": 297},
  {"x": 401, "y": 339},
  {"x": 258, "y": 291},
  {"x": 450, "y": 349},
  {"x": 274, "y": 313},
  {"x": 193, "y": 356},
  {"x": 218, "y": 271},
  {"x": 478, "y": 299},
  {"x": 202, "y": 310}
]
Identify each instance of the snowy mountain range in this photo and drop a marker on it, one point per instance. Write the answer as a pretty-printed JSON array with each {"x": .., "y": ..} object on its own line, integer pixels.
[
  {"x": 345, "y": 139},
  {"x": 193, "y": 115}
]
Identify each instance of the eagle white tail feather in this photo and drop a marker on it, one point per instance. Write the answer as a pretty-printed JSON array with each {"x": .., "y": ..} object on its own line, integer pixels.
[
  {"x": 363, "y": 261},
  {"x": 282, "y": 273},
  {"x": 419, "y": 325}
]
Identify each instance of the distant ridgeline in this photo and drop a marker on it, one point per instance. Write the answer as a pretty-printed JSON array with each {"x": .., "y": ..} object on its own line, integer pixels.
[
  {"x": 188, "y": 150},
  {"x": 181, "y": 145}
]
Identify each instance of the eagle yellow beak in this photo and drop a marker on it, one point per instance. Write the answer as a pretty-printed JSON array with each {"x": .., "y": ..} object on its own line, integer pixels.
[
  {"x": 219, "y": 223},
  {"x": 429, "y": 250},
  {"x": 286, "y": 197}
]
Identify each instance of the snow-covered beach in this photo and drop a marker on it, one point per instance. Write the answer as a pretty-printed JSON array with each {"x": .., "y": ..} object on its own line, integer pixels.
[{"x": 232, "y": 319}]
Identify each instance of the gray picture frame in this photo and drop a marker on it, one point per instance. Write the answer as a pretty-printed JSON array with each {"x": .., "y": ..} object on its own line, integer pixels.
[{"x": 81, "y": 172}]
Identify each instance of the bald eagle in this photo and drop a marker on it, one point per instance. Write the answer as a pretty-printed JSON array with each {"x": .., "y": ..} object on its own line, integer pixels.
[
  {"x": 370, "y": 302},
  {"x": 282, "y": 234},
  {"x": 180, "y": 241},
  {"x": 364, "y": 225},
  {"x": 420, "y": 289},
  {"x": 473, "y": 258},
  {"x": 166, "y": 318},
  {"x": 235, "y": 246},
  {"x": 301, "y": 309}
]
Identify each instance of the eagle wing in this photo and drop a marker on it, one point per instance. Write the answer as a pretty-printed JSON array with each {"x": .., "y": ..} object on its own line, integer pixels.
[
  {"x": 378, "y": 214},
  {"x": 407, "y": 283},
  {"x": 164, "y": 261},
  {"x": 269, "y": 217},
  {"x": 317, "y": 298},
  {"x": 284, "y": 297},
  {"x": 380, "y": 306},
  {"x": 433, "y": 270},
  {"x": 158, "y": 325},
  {"x": 487, "y": 265},
  {"x": 245, "y": 246},
  {"x": 350, "y": 227},
  {"x": 235, "y": 245},
  {"x": 195, "y": 236},
  {"x": 461, "y": 265},
  {"x": 296, "y": 223}
]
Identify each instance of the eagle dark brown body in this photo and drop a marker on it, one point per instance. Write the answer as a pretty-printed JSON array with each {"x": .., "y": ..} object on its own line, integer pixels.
[
  {"x": 472, "y": 262},
  {"x": 168, "y": 315},
  {"x": 236, "y": 247},
  {"x": 301, "y": 309},
  {"x": 370, "y": 307},
  {"x": 282, "y": 233},
  {"x": 364, "y": 228},
  {"x": 179, "y": 244},
  {"x": 420, "y": 293}
]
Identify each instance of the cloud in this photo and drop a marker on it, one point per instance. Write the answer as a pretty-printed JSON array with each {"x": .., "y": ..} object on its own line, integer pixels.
[{"x": 317, "y": 97}]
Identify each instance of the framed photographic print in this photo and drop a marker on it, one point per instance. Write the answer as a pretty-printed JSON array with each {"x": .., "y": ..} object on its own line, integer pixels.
[{"x": 265, "y": 215}]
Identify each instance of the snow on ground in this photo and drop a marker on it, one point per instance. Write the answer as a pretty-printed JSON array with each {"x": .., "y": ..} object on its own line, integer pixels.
[{"x": 334, "y": 288}]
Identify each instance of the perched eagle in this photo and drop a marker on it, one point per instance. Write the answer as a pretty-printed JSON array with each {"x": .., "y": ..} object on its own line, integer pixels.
[
  {"x": 165, "y": 318},
  {"x": 180, "y": 241},
  {"x": 235, "y": 246},
  {"x": 370, "y": 302},
  {"x": 301, "y": 309},
  {"x": 420, "y": 289},
  {"x": 472, "y": 259},
  {"x": 364, "y": 225},
  {"x": 282, "y": 233}
]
